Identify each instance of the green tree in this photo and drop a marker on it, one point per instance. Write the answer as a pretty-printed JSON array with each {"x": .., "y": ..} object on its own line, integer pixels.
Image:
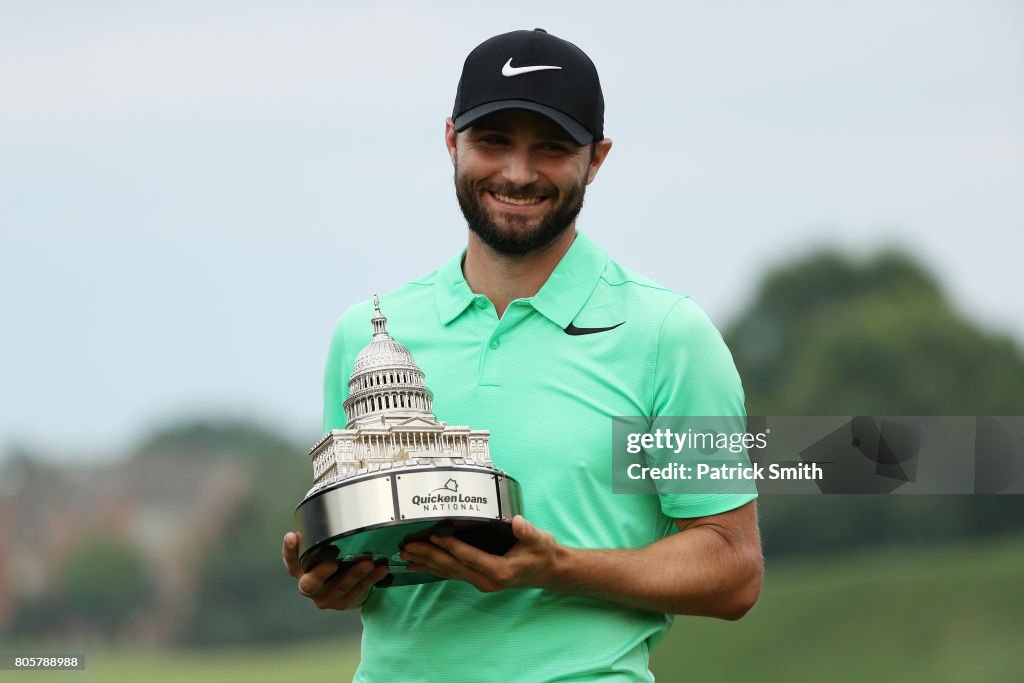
[
  {"x": 213, "y": 439},
  {"x": 244, "y": 594},
  {"x": 827, "y": 335},
  {"x": 103, "y": 581}
]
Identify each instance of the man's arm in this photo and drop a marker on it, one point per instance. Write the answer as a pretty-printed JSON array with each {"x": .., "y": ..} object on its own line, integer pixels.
[{"x": 711, "y": 567}]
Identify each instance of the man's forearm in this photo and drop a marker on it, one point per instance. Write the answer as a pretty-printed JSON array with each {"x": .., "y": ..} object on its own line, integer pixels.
[
  {"x": 712, "y": 567},
  {"x": 703, "y": 570}
]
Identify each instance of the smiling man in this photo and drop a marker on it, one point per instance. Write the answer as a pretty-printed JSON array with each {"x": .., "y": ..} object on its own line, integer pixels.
[
  {"x": 520, "y": 179},
  {"x": 534, "y": 333}
]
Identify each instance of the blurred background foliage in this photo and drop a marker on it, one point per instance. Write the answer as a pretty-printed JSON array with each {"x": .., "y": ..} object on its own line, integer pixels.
[
  {"x": 103, "y": 580},
  {"x": 829, "y": 335},
  {"x": 236, "y": 589},
  {"x": 243, "y": 593},
  {"x": 824, "y": 335}
]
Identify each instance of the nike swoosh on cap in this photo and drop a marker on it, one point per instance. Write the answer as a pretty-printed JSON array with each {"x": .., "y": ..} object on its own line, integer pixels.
[
  {"x": 508, "y": 70},
  {"x": 576, "y": 331}
]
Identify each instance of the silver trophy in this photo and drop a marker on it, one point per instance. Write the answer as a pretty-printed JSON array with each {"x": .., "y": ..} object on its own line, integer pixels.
[{"x": 395, "y": 474}]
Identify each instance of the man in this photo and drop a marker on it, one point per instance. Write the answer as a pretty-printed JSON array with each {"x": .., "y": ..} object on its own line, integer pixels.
[{"x": 535, "y": 334}]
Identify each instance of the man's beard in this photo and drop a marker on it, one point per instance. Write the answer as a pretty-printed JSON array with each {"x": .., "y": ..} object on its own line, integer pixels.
[{"x": 511, "y": 240}]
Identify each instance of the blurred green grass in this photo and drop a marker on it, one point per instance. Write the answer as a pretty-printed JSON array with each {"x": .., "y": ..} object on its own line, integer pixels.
[
  {"x": 318, "y": 661},
  {"x": 950, "y": 613}
]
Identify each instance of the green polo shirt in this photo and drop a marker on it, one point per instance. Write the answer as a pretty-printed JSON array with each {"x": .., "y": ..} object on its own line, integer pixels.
[{"x": 548, "y": 398}]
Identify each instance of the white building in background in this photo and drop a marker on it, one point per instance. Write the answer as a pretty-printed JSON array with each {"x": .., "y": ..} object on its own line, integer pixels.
[{"x": 390, "y": 423}]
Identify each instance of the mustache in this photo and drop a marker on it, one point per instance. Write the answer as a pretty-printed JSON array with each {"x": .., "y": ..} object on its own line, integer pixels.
[{"x": 528, "y": 191}]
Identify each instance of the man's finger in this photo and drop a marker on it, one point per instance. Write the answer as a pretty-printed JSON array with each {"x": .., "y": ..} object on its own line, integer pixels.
[
  {"x": 416, "y": 566},
  {"x": 290, "y": 554},
  {"x": 350, "y": 577},
  {"x": 439, "y": 562},
  {"x": 312, "y": 582},
  {"x": 344, "y": 594},
  {"x": 432, "y": 559},
  {"x": 474, "y": 558},
  {"x": 525, "y": 531},
  {"x": 521, "y": 528},
  {"x": 479, "y": 581}
]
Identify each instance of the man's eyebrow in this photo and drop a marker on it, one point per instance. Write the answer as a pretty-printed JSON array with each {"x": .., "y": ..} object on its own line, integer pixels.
[
  {"x": 561, "y": 136},
  {"x": 554, "y": 133}
]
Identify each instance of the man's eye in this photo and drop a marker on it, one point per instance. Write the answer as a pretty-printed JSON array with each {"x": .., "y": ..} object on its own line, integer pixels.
[
  {"x": 492, "y": 140},
  {"x": 555, "y": 148}
]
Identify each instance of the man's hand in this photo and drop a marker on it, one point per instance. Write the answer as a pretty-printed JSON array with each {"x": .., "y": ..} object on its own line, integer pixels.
[
  {"x": 348, "y": 590},
  {"x": 529, "y": 563}
]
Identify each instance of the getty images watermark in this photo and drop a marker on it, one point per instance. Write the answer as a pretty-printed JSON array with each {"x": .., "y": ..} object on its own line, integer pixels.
[
  {"x": 846, "y": 454},
  {"x": 664, "y": 439}
]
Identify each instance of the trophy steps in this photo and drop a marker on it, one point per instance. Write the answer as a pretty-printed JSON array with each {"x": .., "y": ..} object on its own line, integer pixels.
[{"x": 372, "y": 516}]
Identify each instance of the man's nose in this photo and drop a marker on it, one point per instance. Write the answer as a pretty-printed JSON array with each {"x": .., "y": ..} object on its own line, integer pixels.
[{"x": 520, "y": 168}]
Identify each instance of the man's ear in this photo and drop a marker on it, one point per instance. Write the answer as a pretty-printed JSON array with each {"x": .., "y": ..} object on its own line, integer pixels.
[
  {"x": 449, "y": 137},
  {"x": 600, "y": 154}
]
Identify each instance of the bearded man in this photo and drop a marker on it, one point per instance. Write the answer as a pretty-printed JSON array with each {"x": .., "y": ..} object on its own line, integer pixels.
[{"x": 536, "y": 334}]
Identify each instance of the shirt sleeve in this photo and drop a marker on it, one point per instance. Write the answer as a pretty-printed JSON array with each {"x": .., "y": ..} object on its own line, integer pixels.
[{"x": 696, "y": 385}]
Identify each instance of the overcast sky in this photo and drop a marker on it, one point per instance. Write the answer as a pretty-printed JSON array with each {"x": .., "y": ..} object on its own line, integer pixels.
[{"x": 192, "y": 193}]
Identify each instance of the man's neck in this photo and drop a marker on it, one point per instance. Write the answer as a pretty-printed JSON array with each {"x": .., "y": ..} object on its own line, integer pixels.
[{"x": 503, "y": 278}]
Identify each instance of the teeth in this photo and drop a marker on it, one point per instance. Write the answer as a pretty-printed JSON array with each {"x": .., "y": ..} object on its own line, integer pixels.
[{"x": 518, "y": 201}]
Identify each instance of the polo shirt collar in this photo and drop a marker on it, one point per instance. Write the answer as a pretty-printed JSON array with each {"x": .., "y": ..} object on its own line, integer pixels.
[
  {"x": 559, "y": 300},
  {"x": 452, "y": 293}
]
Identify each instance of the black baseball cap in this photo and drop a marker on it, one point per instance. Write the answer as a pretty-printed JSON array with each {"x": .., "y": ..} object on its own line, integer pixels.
[{"x": 536, "y": 71}]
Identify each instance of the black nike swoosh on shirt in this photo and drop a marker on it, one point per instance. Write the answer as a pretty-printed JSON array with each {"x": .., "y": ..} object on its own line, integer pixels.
[{"x": 576, "y": 331}]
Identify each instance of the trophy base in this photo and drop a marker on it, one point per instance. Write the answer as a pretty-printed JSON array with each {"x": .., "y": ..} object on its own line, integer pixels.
[{"x": 373, "y": 516}]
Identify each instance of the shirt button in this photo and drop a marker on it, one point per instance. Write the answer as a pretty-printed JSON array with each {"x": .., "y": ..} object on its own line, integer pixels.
[
  {"x": 481, "y": 303},
  {"x": 495, "y": 343}
]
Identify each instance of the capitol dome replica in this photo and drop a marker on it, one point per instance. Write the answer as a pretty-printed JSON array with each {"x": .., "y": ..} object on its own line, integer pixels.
[
  {"x": 390, "y": 423},
  {"x": 396, "y": 474}
]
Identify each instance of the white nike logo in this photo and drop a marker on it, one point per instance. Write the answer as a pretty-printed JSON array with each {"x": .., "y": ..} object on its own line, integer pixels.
[{"x": 508, "y": 70}]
